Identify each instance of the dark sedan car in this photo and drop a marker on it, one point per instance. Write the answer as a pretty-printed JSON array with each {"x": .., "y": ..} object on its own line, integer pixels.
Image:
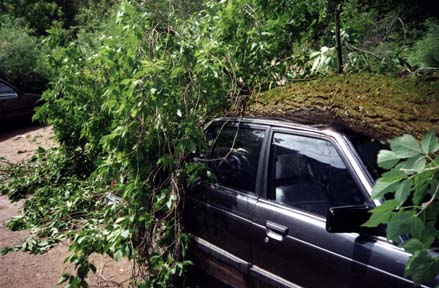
[
  {"x": 16, "y": 105},
  {"x": 265, "y": 221}
]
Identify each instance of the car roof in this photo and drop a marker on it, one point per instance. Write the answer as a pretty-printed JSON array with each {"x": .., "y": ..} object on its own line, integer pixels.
[
  {"x": 336, "y": 127},
  {"x": 279, "y": 122}
]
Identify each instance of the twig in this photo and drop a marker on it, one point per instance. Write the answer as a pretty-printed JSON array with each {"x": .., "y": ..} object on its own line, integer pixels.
[
  {"x": 429, "y": 202},
  {"x": 361, "y": 50}
]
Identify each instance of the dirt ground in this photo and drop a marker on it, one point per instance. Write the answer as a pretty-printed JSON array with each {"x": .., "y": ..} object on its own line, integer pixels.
[{"x": 24, "y": 270}]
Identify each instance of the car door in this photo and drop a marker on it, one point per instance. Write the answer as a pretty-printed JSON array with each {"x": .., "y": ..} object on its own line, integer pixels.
[
  {"x": 305, "y": 175},
  {"x": 219, "y": 213}
]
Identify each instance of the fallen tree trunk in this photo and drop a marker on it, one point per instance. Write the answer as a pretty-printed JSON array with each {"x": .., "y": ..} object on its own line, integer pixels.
[{"x": 374, "y": 105}]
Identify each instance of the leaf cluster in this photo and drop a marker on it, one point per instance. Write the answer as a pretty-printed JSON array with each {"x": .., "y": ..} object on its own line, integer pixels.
[{"x": 412, "y": 188}]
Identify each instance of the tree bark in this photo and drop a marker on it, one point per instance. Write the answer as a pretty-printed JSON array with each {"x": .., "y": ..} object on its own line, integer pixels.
[
  {"x": 338, "y": 40},
  {"x": 380, "y": 107}
]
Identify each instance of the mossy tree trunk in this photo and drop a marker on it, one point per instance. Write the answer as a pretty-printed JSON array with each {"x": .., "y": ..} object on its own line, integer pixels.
[{"x": 374, "y": 105}]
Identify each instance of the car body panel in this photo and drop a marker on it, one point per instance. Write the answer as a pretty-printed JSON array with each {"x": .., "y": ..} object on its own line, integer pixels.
[
  {"x": 289, "y": 247},
  {"x": 221, "y": 216},
  {"x": 308, "y": 250},
  {"x": 17, "y": 106}
]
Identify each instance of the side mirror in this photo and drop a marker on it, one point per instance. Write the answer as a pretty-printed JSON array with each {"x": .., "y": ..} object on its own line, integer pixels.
[{"x": 347, "y": 219}]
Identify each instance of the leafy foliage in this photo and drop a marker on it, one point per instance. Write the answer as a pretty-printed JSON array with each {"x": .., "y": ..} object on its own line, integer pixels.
[
  {"x": 425, "y": 51},
  {"x": 261, "y": 35},
  {"x": 145, "y": 91},
  {"x": 38, "y": 14},
  {"x": 128, "y": 99},
  {"x": 323, "y": 60},
  {"x": 413, "y": 183},
  {"x": 21, "y": 56},
  {"x": 88, "y": 13}
]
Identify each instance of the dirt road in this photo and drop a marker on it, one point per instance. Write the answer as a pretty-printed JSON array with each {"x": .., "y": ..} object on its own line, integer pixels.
[{"x": 24, "y": 270}]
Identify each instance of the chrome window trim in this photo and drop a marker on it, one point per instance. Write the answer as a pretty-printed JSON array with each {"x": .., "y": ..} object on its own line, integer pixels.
[
  {"x": 344, "y": 154},
  {"x": 217, "y": 249},
  {"x": 273, "y": 277},
  {"x": 364, "y": 179},
  {"x": 4, "y": 96},
  {"x": 336, "y": 136},
  {"x": 264, "y": 121},
  {"x": 292, "y": 209}
]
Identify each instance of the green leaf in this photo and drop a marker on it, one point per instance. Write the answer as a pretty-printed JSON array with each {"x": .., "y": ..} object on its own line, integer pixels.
[
  {"x": 413, "y": 245},
  {"x": 421, "y": 267},
  {"x": 170, "y": 201},
  {"x": 63, "y": 278},
  {"x": 396, "y": 227},
  {"x": 415, "y": 226},
  {"x": 405, "y": 146},
  {"x": 81, "y": 239},
  {"x": 404, "y": 222},
  {"x": 418, "y": 164},
  {"x": 387, "y": 159},
  {"x": 76, "y": 282},
  {"x": 430, "y": 233},
  {"x": 430, "y": 143},
  {"x": 421, "y": 181},
  {"x": 118, "y": 255},
  {"x": 124, "y": 234},
  {"x": 414, "y": 164},
  {"x": 381, "y": 214},
  {"x": 387, "y": 183},
  {"x": 403, "y": 191}
]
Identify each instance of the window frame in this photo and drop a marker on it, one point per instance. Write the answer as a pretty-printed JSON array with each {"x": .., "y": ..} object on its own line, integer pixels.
[
  {"x": 266, "y": 182},
  {"x": 6, "y": 96},
  {"x": 222, "y": 124}
]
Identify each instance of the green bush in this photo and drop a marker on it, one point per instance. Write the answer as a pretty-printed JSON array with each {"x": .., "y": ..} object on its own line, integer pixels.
[
  {"x": 90, "y": 13},
  {"x": 21, "y": 59},
  {"x": 425, "y": 52},
  {"x": 38, "y": 14}
]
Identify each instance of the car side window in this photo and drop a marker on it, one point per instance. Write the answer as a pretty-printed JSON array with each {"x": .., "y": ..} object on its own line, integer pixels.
[
  {"x": 7, "y": 91},
  {"x": 309, "y": 174},
  {"x": 235, "y": 156}
]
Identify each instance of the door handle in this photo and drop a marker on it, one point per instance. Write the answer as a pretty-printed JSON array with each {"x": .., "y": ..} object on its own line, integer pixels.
[{"x": 276, "y": 231}]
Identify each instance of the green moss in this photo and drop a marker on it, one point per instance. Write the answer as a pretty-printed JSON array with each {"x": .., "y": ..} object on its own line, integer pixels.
[
  {"x": 379, "y": 105},
  {"x": 391, "y": 89}
]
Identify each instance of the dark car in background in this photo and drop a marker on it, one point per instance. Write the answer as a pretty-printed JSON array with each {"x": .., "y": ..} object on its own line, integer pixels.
[
  {"x": 16, "y": 105},
  {"x": 286, "y": 207}
]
